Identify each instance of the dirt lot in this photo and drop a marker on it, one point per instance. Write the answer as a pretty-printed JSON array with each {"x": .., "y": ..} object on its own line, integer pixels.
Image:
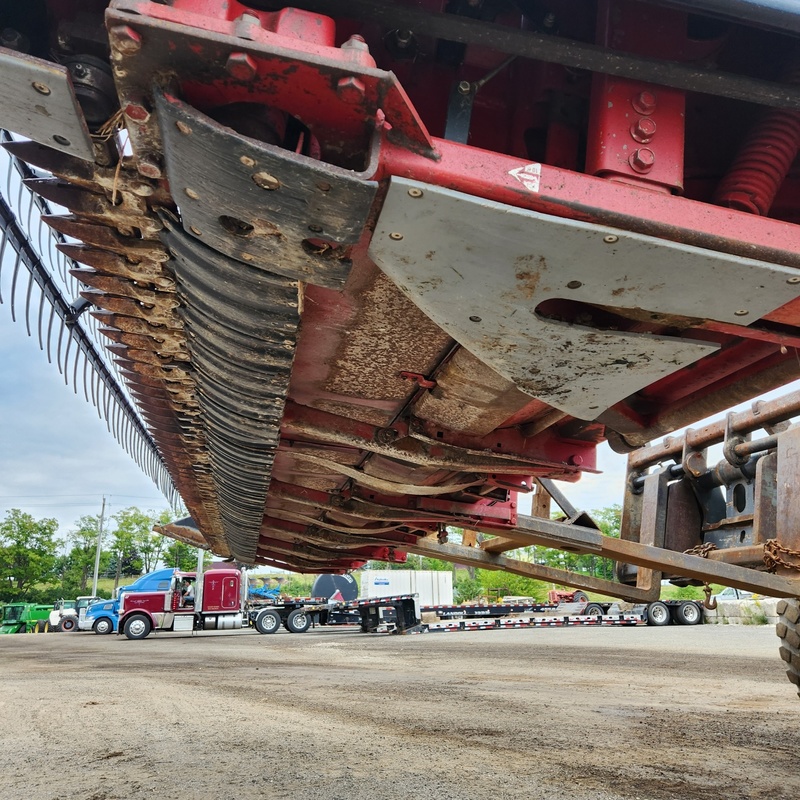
[{"x": 582, "y": 713}]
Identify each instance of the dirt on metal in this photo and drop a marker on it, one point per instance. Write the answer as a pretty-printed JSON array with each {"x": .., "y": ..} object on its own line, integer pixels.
[{"x": 697, "y": 713}]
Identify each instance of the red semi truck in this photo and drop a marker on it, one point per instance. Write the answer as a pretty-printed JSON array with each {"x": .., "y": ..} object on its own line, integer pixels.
[{"x": 218, "y": 604}]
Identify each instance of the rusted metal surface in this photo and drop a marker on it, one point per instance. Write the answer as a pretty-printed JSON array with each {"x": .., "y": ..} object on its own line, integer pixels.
[{"x": 283, "y": 209}]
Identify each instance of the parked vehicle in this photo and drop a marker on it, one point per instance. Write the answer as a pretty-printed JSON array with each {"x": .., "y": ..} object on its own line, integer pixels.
[
  {"x": 103, "y": 617},
  {"x": 25, "y": 618},
  {"x": 67, "y": 614}
]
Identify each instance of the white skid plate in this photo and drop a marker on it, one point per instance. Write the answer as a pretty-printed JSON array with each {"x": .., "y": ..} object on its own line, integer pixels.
[
  {"x": 483, "y": 624},
  {"x": 480, "y": 270}
]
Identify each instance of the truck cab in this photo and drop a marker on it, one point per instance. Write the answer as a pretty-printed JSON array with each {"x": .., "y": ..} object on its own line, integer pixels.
[{"x": 214, "y": 601}]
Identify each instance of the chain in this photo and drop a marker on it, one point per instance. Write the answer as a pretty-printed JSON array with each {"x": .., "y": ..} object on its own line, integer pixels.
[
  {"x": 773, "y": 559},
  {"x": 701, "y": 550}
]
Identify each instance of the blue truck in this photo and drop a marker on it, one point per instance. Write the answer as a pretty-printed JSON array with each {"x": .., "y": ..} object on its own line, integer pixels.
[{"x": 103, "y": 617}]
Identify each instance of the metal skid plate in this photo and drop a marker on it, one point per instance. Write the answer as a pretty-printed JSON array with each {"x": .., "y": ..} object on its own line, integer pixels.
[
  {"x": 37, "y": 101},
  {"x": 480, "y": 269},
  {"x": 261, "y": 204}
]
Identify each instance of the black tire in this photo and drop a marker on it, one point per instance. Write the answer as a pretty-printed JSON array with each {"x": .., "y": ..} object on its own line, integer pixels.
[
  {"x": 688, "y": 613},
  {"x": 593, "y": 610},
  {"x": 42, "y": 626},
  {"x": 788, "y": 629},
  {"x": 299, "y": 621},
  {"x": 658, "y": 614},
  {"x": 580, "y": 597},
  {"x": 103, "y": 626},
  {"x": 268, "y": 621},
  {"x": 137, "y": 627},
  {"x": 56, "y": 628},
  {"x": 69, "y": 624}
]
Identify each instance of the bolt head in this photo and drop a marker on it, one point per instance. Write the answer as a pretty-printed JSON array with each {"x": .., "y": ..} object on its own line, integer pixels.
[
  {"x": 355, "y": 42},
  {"x": 642, "y": 160},
  {"x": 643, "y": 130},
  {"x": 125, "y": 39},
  {"x": 266, "y": 181},
  {"x": 137, "y": 112},
  {"x": 149, "y": 167},
  {"x": 241, "y": 66},
  {"x": 644, "y": 103},
  {"x": 351, "y": 90}
]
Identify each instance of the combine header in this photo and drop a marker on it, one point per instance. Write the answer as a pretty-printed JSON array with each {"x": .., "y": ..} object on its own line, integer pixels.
[{"x": 367, "y": 270}]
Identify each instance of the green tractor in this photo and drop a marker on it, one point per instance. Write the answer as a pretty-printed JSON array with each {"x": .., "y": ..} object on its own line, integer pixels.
[{"x": 25, "y": 618}]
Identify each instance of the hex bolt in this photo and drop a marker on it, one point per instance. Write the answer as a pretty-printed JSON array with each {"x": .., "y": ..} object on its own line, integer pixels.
[
  {"x": 642, "y": 160},
  {"x": 125, "y": 39},
  {"x": 644, "y": 103},
  {"x": 241, "y": 66},
  {"x": 266, "y": 181},
  {"x": 643, "y": 130},
  {"x": 137, "y": 112},
  {"x": 350, "y": 90},
  {"x": 355, "y": 42},
  {"x": 464, "y": 87}
]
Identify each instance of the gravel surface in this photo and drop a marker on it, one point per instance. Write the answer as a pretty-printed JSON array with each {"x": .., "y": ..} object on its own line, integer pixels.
[{"x": 579, "y": 714}]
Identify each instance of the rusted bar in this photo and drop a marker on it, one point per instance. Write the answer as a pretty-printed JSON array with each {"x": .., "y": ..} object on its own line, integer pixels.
[
  {"x": 475, "y": 557},
  {"x": 761, "y": 413},
  {"x": 579, "y": 539}
]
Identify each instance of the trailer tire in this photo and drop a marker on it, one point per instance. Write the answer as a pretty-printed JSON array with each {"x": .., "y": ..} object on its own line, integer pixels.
[
  {"x": 788, "y": 629},
  {"x": 593, "y": 610},
  {"x": 298, "y": 621},
  {"x": 268, "y": 621},
  {"x": 658, "y": 614},
  {"x": 69, "y": 624},
  {"x": 137, "y": 626},
  {"x": 688, "y": 613},
  {"x": 103, "y": 626}
]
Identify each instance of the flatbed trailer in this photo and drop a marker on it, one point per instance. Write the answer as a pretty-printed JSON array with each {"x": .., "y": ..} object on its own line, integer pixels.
[{"x": 662, "y": 612}]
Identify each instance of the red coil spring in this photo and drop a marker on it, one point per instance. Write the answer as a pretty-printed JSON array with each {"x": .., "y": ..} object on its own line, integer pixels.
[{"x": 764, "y": 160}]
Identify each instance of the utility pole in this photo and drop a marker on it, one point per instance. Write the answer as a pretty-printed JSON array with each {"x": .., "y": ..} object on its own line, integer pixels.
[{"x": 97, "y": 550}]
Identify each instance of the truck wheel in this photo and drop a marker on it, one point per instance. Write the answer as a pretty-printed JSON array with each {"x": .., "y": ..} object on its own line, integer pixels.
[
  {"x": 103, "y": 626},
  {"x": 658, "y": 614},
  {"x": 69, "y": 624},
  {"x": 268, "y": 621},
  {"x": 789, "y": 631},
  {"x": 688, "y": 613},
  {"x": 593, "y": 610},
  {"x": 137, "y": 627},
  {"x": 298, "y": 621}
]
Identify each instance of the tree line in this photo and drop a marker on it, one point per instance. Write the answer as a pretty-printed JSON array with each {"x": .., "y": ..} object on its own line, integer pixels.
[{"x": 38, "y": 566}]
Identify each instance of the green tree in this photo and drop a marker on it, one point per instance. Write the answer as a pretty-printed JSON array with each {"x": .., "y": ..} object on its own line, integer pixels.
[
  {"x": 183, "y": 556},
  {"x": 27, "y": 552},
  {"x": 134, "y": 531},
  {"x": 77, "y": 568}
]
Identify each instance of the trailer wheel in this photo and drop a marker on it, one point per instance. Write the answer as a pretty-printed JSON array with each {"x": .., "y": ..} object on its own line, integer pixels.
[
  {"x": 69, "y": 624},
  {"x": 593, "y": 610},
  {"x": 789, "y": 631},
  {"x": 103, "y": 626},
  {"x": 658, "y": 614},
  {"x": 268, "y": 621},
  {"x": 688, "y": 613},
  {"x": 298, "y": 621},
  {"x": 137, "y": 627}
]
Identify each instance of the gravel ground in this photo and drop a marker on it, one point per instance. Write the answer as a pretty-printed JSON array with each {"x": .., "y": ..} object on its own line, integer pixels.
[{"x": 581, "y": 714}]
